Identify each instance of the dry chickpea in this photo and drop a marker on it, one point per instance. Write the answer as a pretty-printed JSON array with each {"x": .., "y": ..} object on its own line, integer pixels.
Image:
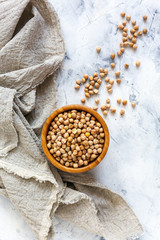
[
  {"x": 135, "y": 35},
  {"x": 77, "y": 86},
  {"x": 90, "y": 87},
  {"x": 123, "y": 14},
  {"x": 124, "y": 23},
  {"x": 128, "y": 17},
  {"x": 99, "y": 81},
  {"x": 108, "y": 86},
  {"x": 87, "y": 85},
  {"x": 144, "y": 17},
  {"x": 138, "y": 63},
  {"x": 112, "y": 65},
  {"x": 97, "y": 100},
  {"x": 125, "y": 34},
  {"x": 75, "y": 165},
  {"x": 130, "y": 44},
  {"x": 95, "y": 91},
  {"x": 126, "y": 44},
  {"x": 132, "y": 31},
  {"x": 107, "y": 79},
  {"x": 103, "y": 107},
  {"x": 95, "y": 108},
  {"x": 107, "y": 100},
  {"x": 105, "y": 71},
  {"x": 122, "y": 49},
  {"x": 95, "y": 74},
  {"x": 90, "y": 78},
  {"x": 96, "y": 85},
  {"x": 98, "y": 49},
  {"x": 111, "y": 82},
  {"x": 87, "y": 95},
  {"x": 95, "y": 78},
  {"x": 133, "y": 22},
  {"x": 134, "y": 40},
  {"x": 112, "y": 55},
  {"x": 92, "y": 83},
  {"x": 110, "y": 90},
  {"x": 117, "y": 73},
  {"x": 125, "y": 29},
  {"x": 124, "y": 102},
  {"x": 85, "y": 76},
  {"x": 144, "y": 30},
  {"x": 118, "y": 80},
  {"x": 124, "y": 39},
  {"x": 101, "y": 70},
  {"x": 133, "y": 104},
  {"x": 113, "y": 110},
  {"x": 130, "y": 37},
  {"x": 121, "y": 44},
  {"x": 78, "y": 81},
  {"x": 119, "y": 53},
  {"x": 102, "y": 75},
  {"x": 119, "y": 101},
  {"x": 140, "y": 33},
  {"x": 134, "y": 46},
  {"x": 91, "y": 92},
  {"x": 126, "y": 65},
  {"x": 105, "y": 112},
  {"x": 108, "y": 106},
  {"x": 120, "y": 27},
  {"x": 122, "y": 112},
  {"x": 83, "y": 80},
  {"x": 136, "y": 27}
]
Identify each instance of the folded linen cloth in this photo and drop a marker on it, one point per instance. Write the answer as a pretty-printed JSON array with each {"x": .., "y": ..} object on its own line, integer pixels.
[{"x": 31, "y": 50}]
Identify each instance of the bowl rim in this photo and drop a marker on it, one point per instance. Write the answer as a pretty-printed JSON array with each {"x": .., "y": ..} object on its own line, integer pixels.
[{"x": 45, "y": 131}]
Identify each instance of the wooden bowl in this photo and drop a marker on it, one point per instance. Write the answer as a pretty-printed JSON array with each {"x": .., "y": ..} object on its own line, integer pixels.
[{"x": 53, "y": 160}]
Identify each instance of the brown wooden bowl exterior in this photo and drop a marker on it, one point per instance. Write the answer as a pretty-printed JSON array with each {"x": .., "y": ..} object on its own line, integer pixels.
[{"x": 45, "y": 131}]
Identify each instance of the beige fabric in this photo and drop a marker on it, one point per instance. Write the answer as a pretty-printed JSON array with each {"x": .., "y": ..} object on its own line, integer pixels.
[{"x": 31, "y": 51}]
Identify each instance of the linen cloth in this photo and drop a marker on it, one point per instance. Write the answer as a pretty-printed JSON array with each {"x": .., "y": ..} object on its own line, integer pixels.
[{"x": 31, "y": 51}]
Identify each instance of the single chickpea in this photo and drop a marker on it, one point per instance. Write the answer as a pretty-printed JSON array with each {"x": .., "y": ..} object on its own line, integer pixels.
[
  {"x": 123, "y": 14},
  {"x": 77, "y": 86},
  {"x": 110, "y": 90},
  {"x": 126, "y": 65},
  {"x": 92, "y": 83},
  {"x": 108, "y": 106},
  {"x": 49, "y": 145},
  {"x": 124, "y": 102},
  {"x": 112, "y": 55},
  {"x": 98, "y": 49},
  {"x": 122, "y": 49},
  {"x": 133, "y": 22},
  {"x": 124, "y": 23},
  {"x": 80, "y": 163},
  {"x": 87, "y": 95},
  {"x": 126, "y": 44},
  {"x": 144, "y": 30},
  {"x": 122, "y": 112},
  {"x": 125, "y": 34},
  {"x": 105, "y": 71},
  {"x": 135, "y": 35},
  {"x": 85, "y": 76},
  {"x": 125, "y": 29},
  {"x": 113, "y": 110},
  {"x": 78, "y": 82},
  {"x": 108, "y": 86},
  {"x": 124, "y": 39},
  {"x": 58, "y": 153},
  {"x": 95, "y": 78},
  {"x": 103, "y": 107},
  {"x": 130, "y": 44},
  {"x": 121, "y": 44},
  {"x": 134, "y": 46},
  {"x": 95, "y": 108},
  {"x": 134, "y": 40},
  {"x": 138, "y": 63},
  {"x": 97, "y": 100},
  {"x": 105, "y": 112},
  {"x": 130, "y": 37},
  {"x": 83, "y": 80},
  {"x": 144, "y": 17},
  {"x": 111, "y": 82},
  {"x": 90, "y": 87},
  {"x": 96, "y": 85},
  {"x": 119, "y": 53},
  {"x": 128, "y": 17},
  {"x": 113, "y": 65},
  {"x": 101, "y": 75},
  {"x": 119, "y": 101},
  {"x": 101, "y": 70},
  {"x": 133, "y": 104},
  {"x": 120, "y": 27},
  {"x": 140, "y": 33},
  {"x": 62, "y": 162},
  {"x": 107, "y": 79},
  {"x": 136, "y": 27},
  {"x": 107, "y": 100},
  {"x": 95, "y": 74},
  {"x": 85, "y": 163},
  {"x": 99, "y": 81},
  {"x": 132, "y": 31},
  {"x": 118, "y": 80},
  {"x": 87, "y": 85},
  {"x": 117, "y": 73},
  {"x": 75, "y": 165},
  {"x": 90, "y": 78},
  {"x": 95, "y": 91}
]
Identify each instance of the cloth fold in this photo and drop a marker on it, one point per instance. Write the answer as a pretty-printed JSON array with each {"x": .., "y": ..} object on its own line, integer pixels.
[{"x": 31, "y": 51}]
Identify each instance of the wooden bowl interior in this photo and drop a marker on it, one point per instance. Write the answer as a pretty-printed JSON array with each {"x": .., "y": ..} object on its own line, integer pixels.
[{"x": 45, "y": 131}]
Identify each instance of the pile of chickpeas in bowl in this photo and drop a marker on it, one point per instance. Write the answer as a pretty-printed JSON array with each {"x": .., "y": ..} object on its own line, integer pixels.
[{"x": 75, "y": 138}]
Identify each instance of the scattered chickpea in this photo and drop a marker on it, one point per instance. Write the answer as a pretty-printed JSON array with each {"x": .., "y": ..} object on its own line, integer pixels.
[
  {"x": 136, "y": 27},
  {"x": 113, "y": 110},
  {"x": 122, "y": 49},
  {"x": 119, "y": 101},
  {"x": 103, "y": 107},
  {"x": 107, "y": 79},
  {"x": 102, "y": 75},
  {"x": 128, "y": 17},
  {"x": 133, "y": 104},
  {"x": 95, "y": 74},
  {"x": 124, "y": 102},
  {"x": 140, "y": 33},
  {"x": 112, "y": 55},
  {"x": 138, "y": 63},
  {"x": 121, "y": 44},
  {"x": 133, "y": 22},
  {"x": 130, "y": 37},
  {"x": 107, "y": 100},
  {"x": 111, "y": 82},
  {"x": 97, "y": 100},
  {"x": 90, "y": 78},
  {"x": 95, "y": 91},
  {"x": 124, "y": 39},
  {"x": 118, "y": 80},
  {"x": 144, "y": 30},
  {"x": 125, "y": 29},
  {"x": 76, "y": 86},
  {"x": 119, "y": 53},
  {"x": 78, "y": 82},
  {"x": 83, "y": 100},
  {"x": 123, "y": 14},
  {"x": 126, "y": 65},
  {"x": 126, "y": 44},
  {"x": 101, "y": 70},
  {"x": 130, "y": 44},
  {"x": 95, "y": 108},
  {"x": 108, "y": 86},
  {"x": 113, "y": 65},
  {"x": 105, "y": 112},
  {"x": 110, "y": 90},
  {"x": 85, "y": 76},
  {"x": 83, "y": 80},
  {"x": 108, "y": 106},
  {"x": 124, "y": 23},
  {"x": 132, "y": 31},
  {"x": 98, "y": 49},
  {"x": 105, "y": 71},
  {"x": 144, "y": 17},
  {"x": 87, "y": 95},
  {"x": 125, "y": 34},
  {"x": 122, "y": 112},
  {"x": 134, "y": 46},
  {"x": 135, "y": 35},
  {"x": 117, "y": 73},
  {"x": 134, "y": 40},
  {"x": 96, "y": 85},
  {"x": 120, "y": 27}
]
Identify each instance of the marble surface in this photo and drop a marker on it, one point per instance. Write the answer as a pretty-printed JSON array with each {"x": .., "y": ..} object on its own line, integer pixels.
[{"x": 132, "y": 167}]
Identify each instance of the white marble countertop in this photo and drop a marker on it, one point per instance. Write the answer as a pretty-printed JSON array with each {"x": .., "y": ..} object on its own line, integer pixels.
[{"x": 132, "y": 167}]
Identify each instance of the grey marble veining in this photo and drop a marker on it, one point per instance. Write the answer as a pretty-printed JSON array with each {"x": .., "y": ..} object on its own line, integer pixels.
[{"x": 132, "y": 166}]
